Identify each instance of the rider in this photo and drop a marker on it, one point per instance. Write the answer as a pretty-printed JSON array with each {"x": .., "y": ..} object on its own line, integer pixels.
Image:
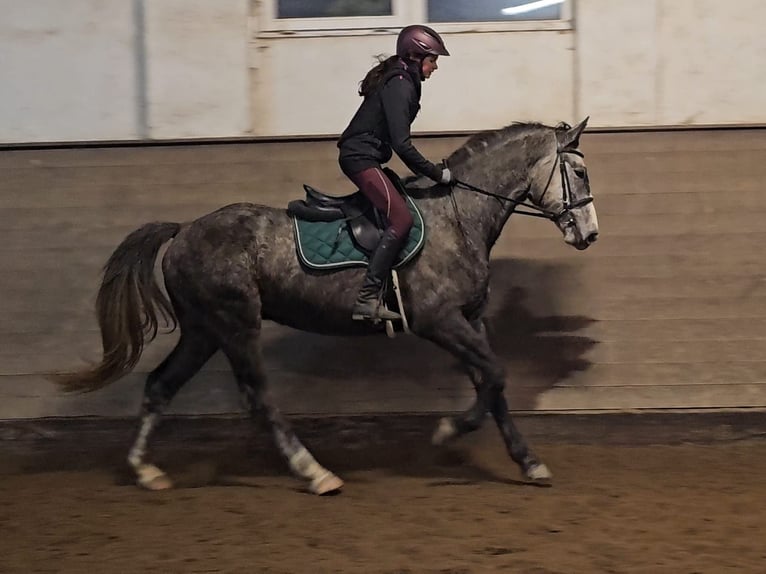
[{"x": 391, "y": 92}]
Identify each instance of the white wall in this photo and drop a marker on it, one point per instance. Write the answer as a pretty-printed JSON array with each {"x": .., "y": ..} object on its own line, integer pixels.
[
  {"x": 197, "y": 68},
  {"x": 713, "y": 68},
  {"x": 93, "y": 70},
  {"x": 308, "y": 85},
  {"x": 616, "y": 60},
  {"x": 123, "y": 69},
  {"x": 671, "y": 62},
  {"x": 67, "y": 70}
]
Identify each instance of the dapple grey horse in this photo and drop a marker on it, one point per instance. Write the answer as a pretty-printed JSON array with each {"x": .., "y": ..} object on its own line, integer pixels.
[{"x": 228, "y": 271}]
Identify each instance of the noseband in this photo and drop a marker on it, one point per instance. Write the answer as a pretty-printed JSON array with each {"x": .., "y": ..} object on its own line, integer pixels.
[{"x": 567, "y": 205}]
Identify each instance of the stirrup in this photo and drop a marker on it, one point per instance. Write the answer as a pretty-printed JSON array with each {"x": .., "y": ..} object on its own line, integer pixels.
[
  {"x": 376, "y": 316},
  {"x": 390, "y": 331}
]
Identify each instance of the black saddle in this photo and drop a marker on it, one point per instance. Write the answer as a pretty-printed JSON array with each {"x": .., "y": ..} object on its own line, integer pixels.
[{"x": 365, "y": 223}]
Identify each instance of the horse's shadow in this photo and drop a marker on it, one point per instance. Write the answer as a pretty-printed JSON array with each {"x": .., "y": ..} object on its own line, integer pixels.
[{"x": 537, "y": 344}]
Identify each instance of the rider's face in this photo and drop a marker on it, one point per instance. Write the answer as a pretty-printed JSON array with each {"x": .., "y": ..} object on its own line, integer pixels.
[{"x": 429, "y": 66}]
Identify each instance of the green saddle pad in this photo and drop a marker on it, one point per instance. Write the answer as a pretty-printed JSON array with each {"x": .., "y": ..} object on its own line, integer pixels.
[{"x": 328, "y": 244}]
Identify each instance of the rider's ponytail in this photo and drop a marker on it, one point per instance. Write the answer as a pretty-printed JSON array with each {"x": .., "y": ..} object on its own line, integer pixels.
[{"x": 371, "y": 81}]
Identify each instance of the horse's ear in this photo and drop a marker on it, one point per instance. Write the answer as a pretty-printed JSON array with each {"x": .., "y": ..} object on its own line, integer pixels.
[{"x": 571, "y": 137}]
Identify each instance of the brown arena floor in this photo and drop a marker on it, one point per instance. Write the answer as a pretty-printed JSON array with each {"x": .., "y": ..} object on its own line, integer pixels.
[{"x": 654, "y": 494}]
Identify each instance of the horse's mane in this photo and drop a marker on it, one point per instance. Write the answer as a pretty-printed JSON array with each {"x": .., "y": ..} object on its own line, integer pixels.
[
  {"x": 481, "y": 142},
  {"x": 490, "y": 138}
]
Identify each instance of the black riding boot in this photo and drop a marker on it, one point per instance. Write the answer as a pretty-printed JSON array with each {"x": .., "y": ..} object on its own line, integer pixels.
[{"x": 368, "y": 303}]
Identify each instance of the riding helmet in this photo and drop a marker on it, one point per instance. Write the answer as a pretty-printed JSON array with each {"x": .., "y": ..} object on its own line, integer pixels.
[{"x": 420, "y": 41}]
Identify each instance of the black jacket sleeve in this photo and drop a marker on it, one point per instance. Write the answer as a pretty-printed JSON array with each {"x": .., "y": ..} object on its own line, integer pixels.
[{"x": 398, "y": 97}]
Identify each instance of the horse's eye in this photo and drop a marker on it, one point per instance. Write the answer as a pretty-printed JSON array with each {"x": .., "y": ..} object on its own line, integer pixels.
[{"x": 580, "y": 172}]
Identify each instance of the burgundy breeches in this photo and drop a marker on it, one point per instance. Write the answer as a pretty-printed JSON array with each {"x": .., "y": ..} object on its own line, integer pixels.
[{"x": 376, "y": 186}]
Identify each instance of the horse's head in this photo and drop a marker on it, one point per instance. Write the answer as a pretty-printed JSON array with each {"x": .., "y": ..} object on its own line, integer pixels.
[
  {"x": 559, "y": 186},
  {"x": 528, "y": 165}
]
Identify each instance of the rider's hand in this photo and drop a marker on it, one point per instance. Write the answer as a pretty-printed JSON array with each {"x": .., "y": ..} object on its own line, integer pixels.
[{"x": 447, "y": 178}]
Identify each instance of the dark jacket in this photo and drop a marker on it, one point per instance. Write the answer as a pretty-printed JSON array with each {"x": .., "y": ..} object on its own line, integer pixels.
[{"x": 382, "y": 124}]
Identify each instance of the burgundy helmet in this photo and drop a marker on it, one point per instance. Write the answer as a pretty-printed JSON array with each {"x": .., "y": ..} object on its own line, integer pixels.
[{"x": 420, "y": 41}]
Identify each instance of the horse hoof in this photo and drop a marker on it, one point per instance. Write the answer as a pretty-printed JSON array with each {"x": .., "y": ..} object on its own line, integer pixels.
[
  {"x": 445, "y": 431},
  {"x": 152, "y": 478},
  {"x": 539, "y": 473},
  {"x": 159, "y": 483},
  {"x": 326, "y": 484}
]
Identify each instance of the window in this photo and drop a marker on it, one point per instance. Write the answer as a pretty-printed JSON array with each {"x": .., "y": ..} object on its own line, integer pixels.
[
  {"x": 362, "y": 17},
  {"x": 328, "y": 17},
  {"x": 493, "y": 10},
  {"x": 332, "y": 8}
]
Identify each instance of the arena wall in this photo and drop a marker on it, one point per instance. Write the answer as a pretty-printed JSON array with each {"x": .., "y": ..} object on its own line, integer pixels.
[{"x": 666, "y": 310}]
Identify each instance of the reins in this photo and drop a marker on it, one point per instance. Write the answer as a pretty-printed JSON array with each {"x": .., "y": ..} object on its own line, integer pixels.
[
  {"x": 521, "y": 202},
  {"x": 567, "y": 204}
]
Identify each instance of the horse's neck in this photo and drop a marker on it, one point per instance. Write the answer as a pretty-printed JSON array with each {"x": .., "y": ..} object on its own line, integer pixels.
[
  {"x": 504, "y": 169},
  {"x": 488, "y": 215}
]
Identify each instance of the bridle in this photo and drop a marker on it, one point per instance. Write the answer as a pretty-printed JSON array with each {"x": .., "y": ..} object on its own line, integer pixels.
[{"x": 567, "y": 204}]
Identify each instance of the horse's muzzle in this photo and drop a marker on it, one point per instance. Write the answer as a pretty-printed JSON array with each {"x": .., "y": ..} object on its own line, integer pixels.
[{"x": 587, "y": 241}]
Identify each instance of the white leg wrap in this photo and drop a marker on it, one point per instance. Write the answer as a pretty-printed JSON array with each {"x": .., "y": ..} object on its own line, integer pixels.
[
  {"x": 138, "y": 451},
  {"x": 148, "y": 475},
  {"x": 304, "y": 465},
  {"x": 445, "y": 431}
]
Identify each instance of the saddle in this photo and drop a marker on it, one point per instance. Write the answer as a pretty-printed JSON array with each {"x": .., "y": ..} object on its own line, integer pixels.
[
  {"x": 364, "y": 223},
  {"x": 338, "y": 232}
]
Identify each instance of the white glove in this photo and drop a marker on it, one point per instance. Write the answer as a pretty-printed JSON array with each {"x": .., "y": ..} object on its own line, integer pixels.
[{"x": 447, "y": 176}]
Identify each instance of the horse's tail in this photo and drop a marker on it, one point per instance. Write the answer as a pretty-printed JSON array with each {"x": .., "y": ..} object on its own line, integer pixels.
[{"x": 128, "y": 306}]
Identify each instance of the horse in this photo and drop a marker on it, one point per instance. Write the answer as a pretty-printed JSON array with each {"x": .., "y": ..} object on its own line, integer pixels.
[{"x": 229, "y": 270}]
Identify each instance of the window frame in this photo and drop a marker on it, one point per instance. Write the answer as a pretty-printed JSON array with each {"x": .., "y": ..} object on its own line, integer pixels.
[
  {"x": 265, "y": 23},
  {"x": 269, "y": 23}
]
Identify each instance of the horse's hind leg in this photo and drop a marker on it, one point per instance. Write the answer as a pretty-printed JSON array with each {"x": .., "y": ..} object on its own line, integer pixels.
[
  {"x": 243, "y": 351},
  {"x": 193, "y": 350},
  {"x": 469, "y": 342}
]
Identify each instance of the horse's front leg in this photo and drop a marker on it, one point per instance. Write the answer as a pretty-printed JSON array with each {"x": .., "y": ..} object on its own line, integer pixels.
[
  {"x": 472, "y": 418},
  {"x": 469, "y": 420},
  {"x": 449, "y": 427},
  {"x": 468, "y": 341},
  {"x": 515, "y": 443}
]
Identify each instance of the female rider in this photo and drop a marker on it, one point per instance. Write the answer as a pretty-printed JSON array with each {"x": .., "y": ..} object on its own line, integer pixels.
[{"x": 391, "y": 92}]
